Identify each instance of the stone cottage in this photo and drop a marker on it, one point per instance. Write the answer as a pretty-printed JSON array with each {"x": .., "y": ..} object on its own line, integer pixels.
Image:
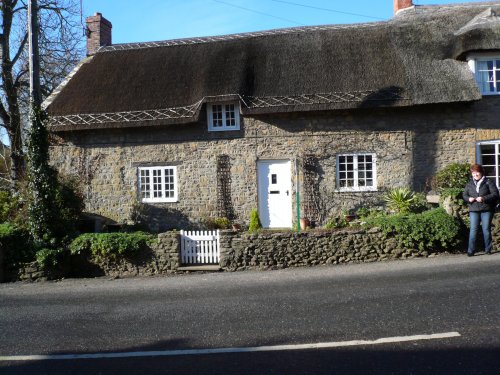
[{"x": 317, "y": 119}]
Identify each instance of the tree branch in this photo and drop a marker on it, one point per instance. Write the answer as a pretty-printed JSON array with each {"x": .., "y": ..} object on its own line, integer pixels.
[
  {"x": 20, "y": 49},
  {"x": 4, "y": 115}
]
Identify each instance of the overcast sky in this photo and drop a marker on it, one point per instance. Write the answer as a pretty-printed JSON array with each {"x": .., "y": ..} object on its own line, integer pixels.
[{"x": 151, "y": 20}]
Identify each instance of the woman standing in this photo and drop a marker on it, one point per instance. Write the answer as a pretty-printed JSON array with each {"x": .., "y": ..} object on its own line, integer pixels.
[{"x": 481, "y": 195}]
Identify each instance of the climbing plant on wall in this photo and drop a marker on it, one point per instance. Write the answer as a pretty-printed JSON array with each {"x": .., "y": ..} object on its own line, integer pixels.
[
  {"x": 42, "y": 181},
  {"x": 311, "y": 197},
  {"x": 224, "y": 201}
]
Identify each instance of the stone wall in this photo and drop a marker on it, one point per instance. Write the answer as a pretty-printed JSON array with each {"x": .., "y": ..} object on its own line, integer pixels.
[
  {"x": 243, "y": 251},
  {"x": 239, "y": 251},
  {"x": 281, "y": 250},
  {"x": 410, "y": 144},
  {"x": 1, "y": 265},
  {"x": 162, "y": 258}
]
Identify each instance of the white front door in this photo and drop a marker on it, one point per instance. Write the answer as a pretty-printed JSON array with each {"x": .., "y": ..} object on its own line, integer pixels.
[{"x": 275, "y": 193}]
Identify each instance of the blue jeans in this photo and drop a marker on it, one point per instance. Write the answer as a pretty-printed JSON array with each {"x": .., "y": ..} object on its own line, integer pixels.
[{"x": 485, "y": 218}]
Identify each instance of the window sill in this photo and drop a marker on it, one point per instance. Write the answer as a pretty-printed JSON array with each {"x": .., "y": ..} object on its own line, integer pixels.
[
  {"x": 159, "y": 201},
  {"x": 223, "y": 129},
  {"x": 355, "y": 190}
]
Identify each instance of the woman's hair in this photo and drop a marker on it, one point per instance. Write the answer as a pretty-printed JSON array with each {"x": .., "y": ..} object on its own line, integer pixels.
[{"x": 477, "y": 168}]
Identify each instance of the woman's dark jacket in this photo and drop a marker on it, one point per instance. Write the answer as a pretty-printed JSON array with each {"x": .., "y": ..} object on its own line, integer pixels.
[{"x": 487, "y": 190}]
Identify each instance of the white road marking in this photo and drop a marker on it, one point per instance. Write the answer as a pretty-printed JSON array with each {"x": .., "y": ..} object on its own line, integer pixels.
[{"x": 164, "y": 353}]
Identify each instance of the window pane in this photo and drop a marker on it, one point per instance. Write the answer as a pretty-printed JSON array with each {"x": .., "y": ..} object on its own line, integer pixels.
[
  {"x": 144, "y": 183},
  {"x": 169, "y": 182},
  {"x": 489, "y": 171},
  {"x": 230, "y": 117},
  {"x": 355, "y": 171},
  {"x": 157, "y": 191},
  {"x": 216, "y": 115},
  {"x": 157, "y": 184},
  {"x": 488, "y": 159},
  {"x": 487, "y": 149}
]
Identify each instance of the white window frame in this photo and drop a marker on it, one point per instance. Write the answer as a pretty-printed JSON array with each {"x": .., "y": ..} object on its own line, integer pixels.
[
  {"x": 356, "y": 163},
  {"x": 473, "y": 65},
  {"x": 224, "y": 118},
  {"x": 158, "y": 187},
  {"x": 479, "y": 158}
]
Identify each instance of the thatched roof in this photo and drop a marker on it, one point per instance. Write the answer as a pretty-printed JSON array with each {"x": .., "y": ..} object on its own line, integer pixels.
[{"x": 415, "y": 58}]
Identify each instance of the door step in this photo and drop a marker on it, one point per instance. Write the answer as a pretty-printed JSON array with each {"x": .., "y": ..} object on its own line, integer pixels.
[{"x": 212, "y": 268}]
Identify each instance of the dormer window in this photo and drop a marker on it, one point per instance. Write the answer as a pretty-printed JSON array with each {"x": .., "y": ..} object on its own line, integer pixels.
[
  {"x": 486, "y": 69},
  {"x": 223, "y": 116}
]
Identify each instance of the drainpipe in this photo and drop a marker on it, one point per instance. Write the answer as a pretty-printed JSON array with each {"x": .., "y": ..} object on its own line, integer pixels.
[{"x": 297, "y": 193}]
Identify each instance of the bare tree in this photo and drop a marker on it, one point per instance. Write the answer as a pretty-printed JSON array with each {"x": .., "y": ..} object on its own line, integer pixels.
[{"x": 61, "y": 47}]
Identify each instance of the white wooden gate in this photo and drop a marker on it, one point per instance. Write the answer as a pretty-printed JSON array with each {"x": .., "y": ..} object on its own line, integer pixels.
[{"x": 200, "y": 247}]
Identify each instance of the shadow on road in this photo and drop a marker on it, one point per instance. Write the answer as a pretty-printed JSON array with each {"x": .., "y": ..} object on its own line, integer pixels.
[{"x": 359, "y": 360}]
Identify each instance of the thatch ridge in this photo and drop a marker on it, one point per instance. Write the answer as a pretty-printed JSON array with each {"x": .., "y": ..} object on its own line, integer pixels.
[{"x": 222, "y": 38}]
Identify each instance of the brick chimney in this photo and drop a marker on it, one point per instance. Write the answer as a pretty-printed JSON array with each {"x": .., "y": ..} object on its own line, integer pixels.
[
  {"x": 98, "y": 33},
  {"x": 402, "y": 4}
]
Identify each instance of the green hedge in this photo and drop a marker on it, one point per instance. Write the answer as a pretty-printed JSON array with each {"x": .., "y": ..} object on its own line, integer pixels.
[
  {"x": 453, "y": 176},
  {"x": 111, "y": 245},
  {"x": 15, "y": 244},
  {"x": 429, "y": 230}
]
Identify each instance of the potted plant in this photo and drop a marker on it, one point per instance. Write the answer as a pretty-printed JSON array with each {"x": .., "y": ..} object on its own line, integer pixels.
[
  {"x": 305, "y": 223},
  {"x": 349, "y": 215}
]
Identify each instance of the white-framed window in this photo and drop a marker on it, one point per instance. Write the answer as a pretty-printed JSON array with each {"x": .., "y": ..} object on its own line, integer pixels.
[
  {"x": 157, "y": 184},
  {"x": 223, "y": 116},
  {"x": 488, "y": 155},
  {"x": 486, "y": 69},
  {"x": 356, "y": 172}
]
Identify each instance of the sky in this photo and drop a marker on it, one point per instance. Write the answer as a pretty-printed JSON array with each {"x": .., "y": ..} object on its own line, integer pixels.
[{"x": 153, "y": 20}]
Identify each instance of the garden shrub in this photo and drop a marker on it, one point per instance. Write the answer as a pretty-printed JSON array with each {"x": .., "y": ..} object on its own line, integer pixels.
[
  {"x": 399, "y": 200},
  {"x": 69, "y": 203},
  {"x": 429, "y": 230},
  {"x": 453, "y": 176},
  {"x": 336, "y": 222},
  {"x": 15, "y": 244},
  {"x": 111, "y": 245},
  {"x": 255, "y": 224},
  {"x": 7, "y": 203},
  {"x": 216, "y": 223},
  {"x": 50, "y": 258}
]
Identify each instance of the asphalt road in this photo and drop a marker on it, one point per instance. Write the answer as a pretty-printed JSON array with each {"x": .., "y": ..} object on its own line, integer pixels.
[{"x": 171, "y": 324}]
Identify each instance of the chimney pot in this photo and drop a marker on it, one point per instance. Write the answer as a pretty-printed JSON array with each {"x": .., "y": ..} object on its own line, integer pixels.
[
  {"x": 402, "y": 4},
  {"x": 98, "y": 33}
]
